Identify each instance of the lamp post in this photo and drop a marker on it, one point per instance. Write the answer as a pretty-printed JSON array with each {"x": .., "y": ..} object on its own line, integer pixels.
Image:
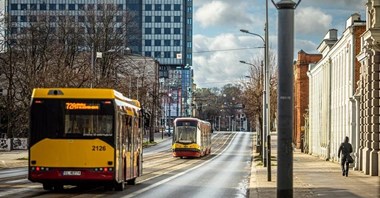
[
  {"x": 285, "y": 97},
  {"x": 266, "y": 92},
  {"x": 170, "y": 119},
  {"x": 260, "y": 136}
]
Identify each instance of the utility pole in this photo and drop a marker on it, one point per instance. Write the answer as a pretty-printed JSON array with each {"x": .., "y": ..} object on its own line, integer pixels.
[{"x": 285, "y": 97}]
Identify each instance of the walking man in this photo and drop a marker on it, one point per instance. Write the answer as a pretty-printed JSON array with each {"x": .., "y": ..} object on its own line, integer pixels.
[{"x": 346, "y": 149}]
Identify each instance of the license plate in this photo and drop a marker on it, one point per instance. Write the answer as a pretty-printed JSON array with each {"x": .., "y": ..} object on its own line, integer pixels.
[{"x": 70, "y": 173}]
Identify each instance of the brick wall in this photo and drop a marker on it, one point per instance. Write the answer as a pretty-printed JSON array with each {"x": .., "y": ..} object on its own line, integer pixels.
[{"x": 301, "y": 92}]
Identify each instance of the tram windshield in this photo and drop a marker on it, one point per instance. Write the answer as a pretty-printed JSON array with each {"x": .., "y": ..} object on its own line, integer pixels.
[
  {"x": 186, "y": 134},
  {"x": 185, "y": 131}
]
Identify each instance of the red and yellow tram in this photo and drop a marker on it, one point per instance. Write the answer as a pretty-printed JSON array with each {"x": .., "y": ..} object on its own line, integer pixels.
[{"x": 191, "y": 137}]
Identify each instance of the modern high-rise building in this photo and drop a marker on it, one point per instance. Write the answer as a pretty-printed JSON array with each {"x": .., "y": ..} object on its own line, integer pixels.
[
  {"x": 167, "y": 36},
  {"x": 162, "y": 29}
]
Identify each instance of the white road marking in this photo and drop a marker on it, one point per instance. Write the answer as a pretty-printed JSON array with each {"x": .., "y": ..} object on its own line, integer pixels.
[{"x": 175, "y": 176}]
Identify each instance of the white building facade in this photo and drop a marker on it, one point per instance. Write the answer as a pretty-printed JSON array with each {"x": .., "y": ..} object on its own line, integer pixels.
[{"x": 333, "y": 82}]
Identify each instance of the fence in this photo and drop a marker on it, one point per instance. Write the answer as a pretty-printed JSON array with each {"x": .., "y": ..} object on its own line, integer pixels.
[{"x": 8, "y": 144}]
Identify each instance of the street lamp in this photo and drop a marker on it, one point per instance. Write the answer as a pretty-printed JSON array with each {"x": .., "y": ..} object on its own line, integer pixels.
[
  {"x": 170, "y": 119},
  {"x": 260, "y": 136},
  {"x": 266, "y": 92}
]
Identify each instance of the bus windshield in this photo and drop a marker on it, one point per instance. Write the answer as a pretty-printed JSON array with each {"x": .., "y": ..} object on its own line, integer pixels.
[
  {"x": 52, "y": 118},
  {"x": 186, "y": 134}
]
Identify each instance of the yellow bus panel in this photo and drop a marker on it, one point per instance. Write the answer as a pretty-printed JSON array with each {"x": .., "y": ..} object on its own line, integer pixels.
[{"x": 72, "y": 153}]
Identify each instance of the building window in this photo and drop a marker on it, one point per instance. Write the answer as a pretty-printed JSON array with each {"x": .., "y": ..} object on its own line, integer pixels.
[
  {"x": 157, "y": 42},
  {"x": 119, "y": 18},
  {"x": 61, "y": 6},
  {"x": 81, "y": 19},
  {"x": 148, "y": 19},
  {"x": 14, "y": 6},
  {"x": 119, "y": 7},
  {"x": 177, "y": 42},
  {"x": 148, "y": 42},
  {"x": 90, "y": 7},
  {"x": 157, "y": 54},
  {"x": 167, "y": 7},
  {"x": 23, "y": 30},
  {"x": 177, "y": 7},
  {"x": 148, "y": 54},
  {"x": 33, "y": 6},
  {"x": 177, "y": 31},
  {"x": 13, "y": 30},
  {"x": 167, "y": 31},
  {"x": 177, "y": 19},
  {"x": 119, "y": 30},
  {"x": 24, "y": 6},
  {"x": 189, "y": 9},
  {"x": 53, "y": 6},
  {"x": 148, "y": 30},
  {"x": 148, "y": 7},
  {"x": 23, "y": 18},
  {"x": 157, "y": 30},
  {"x": 166, "y": 42},
  {"x": 189, "y": 21},
  {"x": 80, "y": 6},
  {"x": 13, "y": 18},
  {"x": 33, "y": 18},
  {"x": 100, "y": 7},
  {"x": 157, "y": 19},
  {"x": 157, "y": 7},
  {"x": 167, "y": 19},
  {"x": 189, "y": 44},
  {"x": 166, "y": 54},
  {"x": 43, "y": 6},
  {"x": 71, "y": 6}
]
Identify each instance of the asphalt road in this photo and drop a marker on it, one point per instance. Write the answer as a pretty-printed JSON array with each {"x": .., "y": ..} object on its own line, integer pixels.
[{"x": 225, "y": 175}]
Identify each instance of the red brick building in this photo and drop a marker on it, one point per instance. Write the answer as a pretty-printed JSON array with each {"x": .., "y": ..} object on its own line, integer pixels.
[{"x": 301, "y": 92}]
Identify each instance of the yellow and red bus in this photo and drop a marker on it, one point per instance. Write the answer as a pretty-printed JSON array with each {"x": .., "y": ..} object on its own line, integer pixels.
[
  {"x": 191, "y": 137},
  {"x": 83, "y": 136}
]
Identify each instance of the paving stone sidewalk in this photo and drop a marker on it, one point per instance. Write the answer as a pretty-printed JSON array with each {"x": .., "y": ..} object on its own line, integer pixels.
[{"x": 313, "y": 177}]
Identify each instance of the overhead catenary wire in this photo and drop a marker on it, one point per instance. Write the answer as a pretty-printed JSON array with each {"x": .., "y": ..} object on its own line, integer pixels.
[{"x": 226, "y": 50}]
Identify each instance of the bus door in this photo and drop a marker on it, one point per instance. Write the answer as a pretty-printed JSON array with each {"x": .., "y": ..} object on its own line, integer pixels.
[
  {"x": 129, "y": 146},
  {"x": 134, "y": 146}
]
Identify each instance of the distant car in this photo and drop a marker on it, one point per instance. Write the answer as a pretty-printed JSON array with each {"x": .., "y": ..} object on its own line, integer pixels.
[{"x": 169, "y": 132}]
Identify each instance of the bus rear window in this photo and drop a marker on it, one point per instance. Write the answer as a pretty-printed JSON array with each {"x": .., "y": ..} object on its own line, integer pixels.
[{"x": 52, "y": 118}]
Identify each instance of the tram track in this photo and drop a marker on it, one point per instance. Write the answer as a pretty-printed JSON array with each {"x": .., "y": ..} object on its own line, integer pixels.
[{"x": 163, "y": 163}]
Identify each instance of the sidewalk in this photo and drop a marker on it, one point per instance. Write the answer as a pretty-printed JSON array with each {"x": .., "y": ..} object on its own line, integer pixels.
[
  {"x": 19, "y": 158},
  {"x": 13, "y": 159},
  {"x": 312, "y": 177}
]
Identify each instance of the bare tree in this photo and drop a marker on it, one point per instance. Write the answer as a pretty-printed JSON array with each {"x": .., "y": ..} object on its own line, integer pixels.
[{"x": 53, "y": 51}]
